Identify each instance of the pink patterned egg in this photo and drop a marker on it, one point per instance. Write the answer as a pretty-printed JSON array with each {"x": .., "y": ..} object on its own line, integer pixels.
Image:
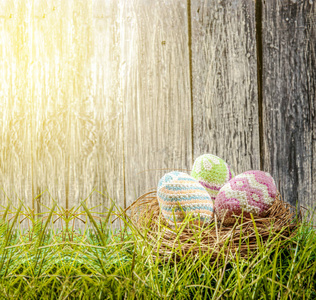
[{"x": 252, "y": 191}]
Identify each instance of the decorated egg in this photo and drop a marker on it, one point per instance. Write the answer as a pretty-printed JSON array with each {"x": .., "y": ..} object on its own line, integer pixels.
[
  {"x": 252, "y": 192},
  {"x": 180, "y": 194},
  {"x": 212, "y": 172}
]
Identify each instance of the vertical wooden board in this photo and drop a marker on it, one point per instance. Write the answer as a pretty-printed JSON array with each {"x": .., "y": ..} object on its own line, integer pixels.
[
  {"x": 108, "y": 103},
  {"x": 61, "y": 105},
  {"x": 16, "y": 103},
  {"x": 156, "y": 92},
  {"x": 313, "y": 200},
  {"x": 289, "y": 81},
  {"x": 83, "y": 132},
  {"x": 224, "y": 68},
  {"x": 53, "y": 81},
  {"x": 78, "y": 111}
]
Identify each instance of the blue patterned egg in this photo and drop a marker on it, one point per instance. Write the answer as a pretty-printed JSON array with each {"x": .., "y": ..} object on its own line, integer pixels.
[{"x": 180, "y": 194}]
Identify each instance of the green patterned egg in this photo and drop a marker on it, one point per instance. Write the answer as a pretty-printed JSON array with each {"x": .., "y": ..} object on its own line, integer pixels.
[{"x": 212, "y": 172}]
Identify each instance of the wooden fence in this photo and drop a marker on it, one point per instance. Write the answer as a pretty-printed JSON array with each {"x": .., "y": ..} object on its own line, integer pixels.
[{"x": 110, "y": 95}]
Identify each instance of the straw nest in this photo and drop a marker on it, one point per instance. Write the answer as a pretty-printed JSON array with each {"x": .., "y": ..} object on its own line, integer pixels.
[{"x": 245, "y": 236}]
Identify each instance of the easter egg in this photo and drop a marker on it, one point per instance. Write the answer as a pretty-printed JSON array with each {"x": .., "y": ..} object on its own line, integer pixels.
[
  {"x": 251, "y": 192},
  {"x": 180, "y": 194},
  {"x": 212, "y": 172}
]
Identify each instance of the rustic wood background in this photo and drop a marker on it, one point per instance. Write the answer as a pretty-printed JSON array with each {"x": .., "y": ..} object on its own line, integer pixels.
[{"x": 111, "y": 94}]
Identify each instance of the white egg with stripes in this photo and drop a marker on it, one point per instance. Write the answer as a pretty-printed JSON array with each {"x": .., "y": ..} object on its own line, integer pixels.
[{"x": 179, "y": 195}]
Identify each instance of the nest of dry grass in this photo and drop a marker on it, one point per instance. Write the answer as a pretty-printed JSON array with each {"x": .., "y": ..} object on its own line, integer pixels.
[{"x": 245, "y": 236}]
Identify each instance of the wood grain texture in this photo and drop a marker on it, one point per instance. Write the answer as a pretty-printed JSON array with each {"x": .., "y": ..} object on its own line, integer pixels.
[
  {"x": 15, "y": 104},
  {"x": 60, "y": 109},
  {"x": 225, "y": 82},
  {"x": 157, "y": 114},
  {"x": 97, "y": 95},
  {"x": 52, "y": 91},
  {"x": 79, "y": 135},
  {"x": 289, "y": 86},
  {"x": 108, "y": 102}
]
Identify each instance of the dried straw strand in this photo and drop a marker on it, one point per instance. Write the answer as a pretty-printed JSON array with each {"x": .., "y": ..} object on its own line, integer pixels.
[{"x": 280, "y": 223}]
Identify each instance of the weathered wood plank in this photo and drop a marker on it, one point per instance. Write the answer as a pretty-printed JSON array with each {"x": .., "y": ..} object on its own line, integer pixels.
[
  {"x": 289, "y": 93},
  {"x": 61, "y": 107},
  {"x": 79, "y": 132},
  {"x": 52, "y": 84},
  {"x": 313, "y": 200},
  {"x": 156, "y": 92},
  {"x": 108, "y": 102},
  {"x": 15, "y": 103},
  {"x": 225, "y": 82}
]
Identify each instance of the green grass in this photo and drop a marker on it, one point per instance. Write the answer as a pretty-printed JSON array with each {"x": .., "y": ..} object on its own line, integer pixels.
[{"x": 44, "y": 262}]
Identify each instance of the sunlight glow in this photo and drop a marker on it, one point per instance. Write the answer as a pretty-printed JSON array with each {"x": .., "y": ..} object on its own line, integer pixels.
[{"x": 56, "y": 65}]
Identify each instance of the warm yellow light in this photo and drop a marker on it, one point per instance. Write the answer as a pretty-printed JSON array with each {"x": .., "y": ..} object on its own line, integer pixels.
[{"x": 55, "y": 69}]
